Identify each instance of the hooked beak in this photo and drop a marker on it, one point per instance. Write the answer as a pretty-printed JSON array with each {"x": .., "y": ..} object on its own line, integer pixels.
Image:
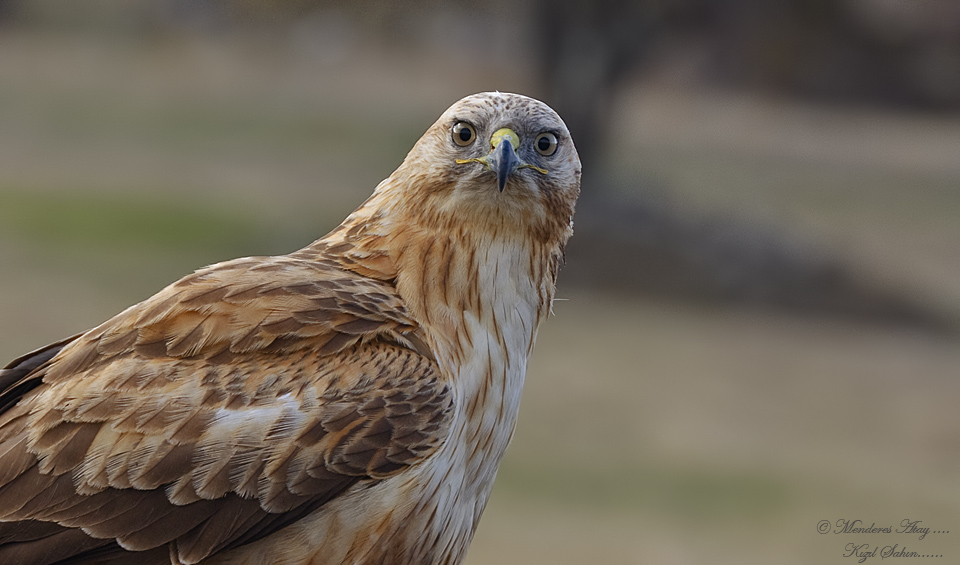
[{"x": 503, "y": 160}]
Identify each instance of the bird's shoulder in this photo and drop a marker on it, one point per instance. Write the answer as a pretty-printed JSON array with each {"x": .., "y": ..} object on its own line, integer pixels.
[
  {"x": 270, "y": 304},
  {"x": 253, "y": 305}
]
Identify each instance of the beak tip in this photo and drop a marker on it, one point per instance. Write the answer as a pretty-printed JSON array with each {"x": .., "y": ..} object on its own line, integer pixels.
[{"x": 506, "y": 162}]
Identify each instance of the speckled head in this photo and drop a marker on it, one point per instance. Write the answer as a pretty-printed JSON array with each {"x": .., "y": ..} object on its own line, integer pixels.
[{"x": 499, "y": 158}]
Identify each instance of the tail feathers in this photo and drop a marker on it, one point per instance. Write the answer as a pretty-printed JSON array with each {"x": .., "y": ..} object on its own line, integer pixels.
[{"x": 13, "y": 382}]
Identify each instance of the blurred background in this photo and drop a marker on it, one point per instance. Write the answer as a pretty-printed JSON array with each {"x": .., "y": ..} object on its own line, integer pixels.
[{"x": 761, "y": 317}]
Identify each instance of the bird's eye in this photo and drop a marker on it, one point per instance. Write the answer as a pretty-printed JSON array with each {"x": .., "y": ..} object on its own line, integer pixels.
[
  {"x": 546, "y": 143},
  {"x": 464, "y": 134}
]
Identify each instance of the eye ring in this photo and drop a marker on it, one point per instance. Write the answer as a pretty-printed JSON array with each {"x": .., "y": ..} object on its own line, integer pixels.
[
  {"x": 546, "y": 143},
  {"x": 463, "y": 134}
]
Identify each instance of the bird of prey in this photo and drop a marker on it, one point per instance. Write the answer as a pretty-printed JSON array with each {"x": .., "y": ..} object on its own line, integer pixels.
[{"x": 348, "y": 403}]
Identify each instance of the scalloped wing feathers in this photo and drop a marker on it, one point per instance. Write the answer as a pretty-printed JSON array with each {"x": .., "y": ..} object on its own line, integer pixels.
[{"x": 251, "y": 388}]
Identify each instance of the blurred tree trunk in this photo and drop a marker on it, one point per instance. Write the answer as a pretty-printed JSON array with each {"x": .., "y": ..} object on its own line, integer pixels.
[{"x": 585, "y": 50}]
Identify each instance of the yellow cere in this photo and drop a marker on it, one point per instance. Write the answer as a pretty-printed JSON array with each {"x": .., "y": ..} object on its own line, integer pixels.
[{"x": 502, "y": 133}]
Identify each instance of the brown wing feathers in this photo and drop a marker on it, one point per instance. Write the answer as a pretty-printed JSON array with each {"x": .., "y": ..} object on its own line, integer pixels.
[
  {"x": 225, "y": 407},
  {"x": 13, "y": 381}
]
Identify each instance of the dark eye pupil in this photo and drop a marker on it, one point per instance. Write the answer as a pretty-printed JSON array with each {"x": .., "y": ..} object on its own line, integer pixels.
[
  {"x": 465, "y": 134},
  {"x": 543, "y": 144}
]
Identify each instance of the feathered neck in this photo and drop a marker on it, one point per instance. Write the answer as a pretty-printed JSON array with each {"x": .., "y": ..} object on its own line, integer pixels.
[{"x": 445, "y": 261}]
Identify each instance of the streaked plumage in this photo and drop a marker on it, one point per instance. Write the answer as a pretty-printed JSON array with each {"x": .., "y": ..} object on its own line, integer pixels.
[{"x": 347, "y": 403}]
